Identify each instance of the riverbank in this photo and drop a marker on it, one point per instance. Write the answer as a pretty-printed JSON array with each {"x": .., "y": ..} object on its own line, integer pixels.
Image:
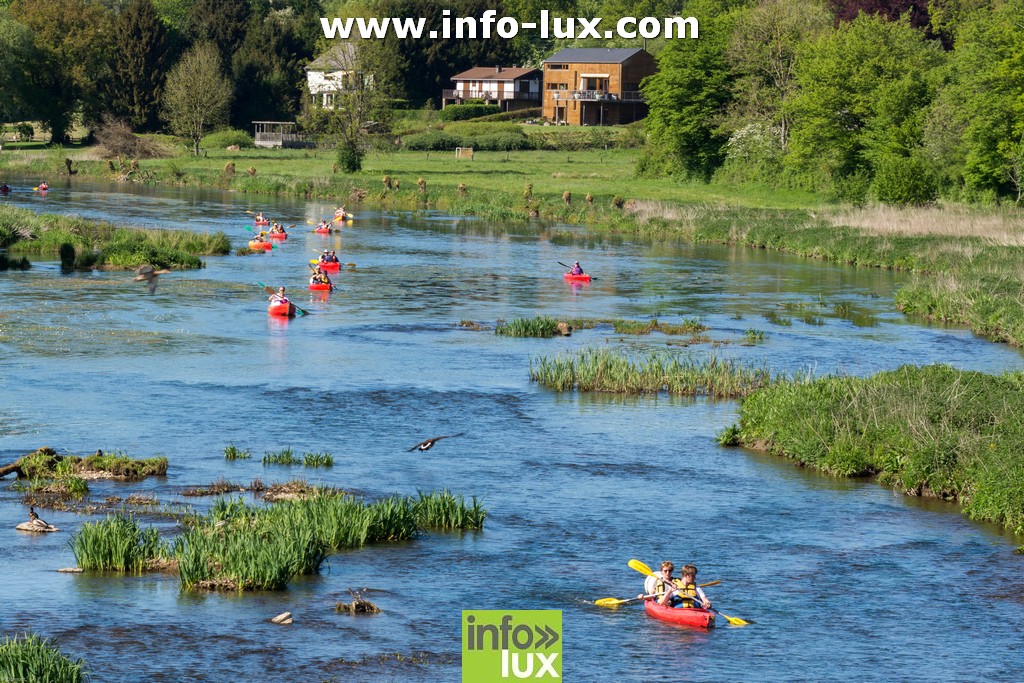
[
  {"x": 85, "y": 244},
  {"x": 926, "y": 431}
]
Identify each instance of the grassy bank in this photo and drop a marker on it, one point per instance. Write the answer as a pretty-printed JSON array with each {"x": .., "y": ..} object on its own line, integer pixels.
[
  {"x": 31, "y": 658},
  {"x": 932, "y": 430},
  {"x": 84, "y": 244}
]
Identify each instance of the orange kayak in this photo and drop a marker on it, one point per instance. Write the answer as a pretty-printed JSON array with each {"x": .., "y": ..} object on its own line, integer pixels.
[
  {"x": 683, "y": 616},
  {"x": 283, "y": 310}
]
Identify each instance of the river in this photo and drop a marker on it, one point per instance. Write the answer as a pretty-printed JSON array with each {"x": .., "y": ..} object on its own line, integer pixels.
[{"x": 845, "y": 580}]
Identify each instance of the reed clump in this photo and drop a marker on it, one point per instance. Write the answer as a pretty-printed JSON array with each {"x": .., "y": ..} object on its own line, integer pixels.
[
  {"x": 620, "y": 372},
  {"x": 285, "y": 456},
  {"x": 687, "y": 326},
  {"x": 233, "y": 452},
  {"x": 541, "y": 326},
  {"x": 116, "y": 543},
  {"x": 318, "y": 459},
  {"x": 934, "y": 430},
  {"x": 31, "y": 658},
  {"x": 246, "y": 547}
]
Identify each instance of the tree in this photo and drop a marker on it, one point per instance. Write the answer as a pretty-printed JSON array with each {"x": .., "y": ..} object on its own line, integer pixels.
[
  {"x": 762, "y": 50},
  {"x": 17, "y": 56},
  {"x": 139, "y": 65},
  {"x": 71, "y": 40},
  {"x": 222, "y": 22},
  {"x": 198, "y": 95},
  {"x": 688, "y": 97},
  {"x": 361, "y": 98},
  {"x": 865, "y": 92}
]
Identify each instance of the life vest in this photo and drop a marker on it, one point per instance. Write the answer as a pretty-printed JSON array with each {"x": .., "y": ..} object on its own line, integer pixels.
[{"x": 685, "y": 594}]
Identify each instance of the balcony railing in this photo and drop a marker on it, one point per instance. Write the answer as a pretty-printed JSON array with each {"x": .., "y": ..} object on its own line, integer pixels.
[
  {"x": 489, "y": 95},
  {"x": 597, "y": 96}
]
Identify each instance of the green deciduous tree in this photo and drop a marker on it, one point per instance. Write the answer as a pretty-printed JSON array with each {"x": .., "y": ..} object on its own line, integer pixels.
[
  {"x": 688, "y": 99},
  {"x": 865, "y": 90},
  {"x": 139, "y": 62},
  {"x": 197, "y": 96},
  {"x": 17, "y": 54},
  {"x": 71, "y": 40}
]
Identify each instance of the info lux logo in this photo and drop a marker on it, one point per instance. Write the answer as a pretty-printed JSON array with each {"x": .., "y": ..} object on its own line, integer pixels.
[{"x": 506, "y": 645}]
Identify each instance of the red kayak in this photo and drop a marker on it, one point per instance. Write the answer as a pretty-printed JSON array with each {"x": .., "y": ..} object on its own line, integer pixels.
[
  {"x": 569, "y": 277},
  {"x": 263, "y": 222},
  {"x": 277, "y": 235},
  {"x": 320, "y": 287},
  {"x": 283, "y": 310},
  {"x": 322, "y": 231},
  {"x": 683, "y": 616},
  {"x": 256, "y": 246},
  {"x": 327, "y": 266}
]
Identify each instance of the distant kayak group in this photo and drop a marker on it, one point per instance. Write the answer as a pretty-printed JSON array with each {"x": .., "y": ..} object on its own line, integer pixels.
[
  {"x": 5, "y": 189},
  {"x": 279, "y": 305}
]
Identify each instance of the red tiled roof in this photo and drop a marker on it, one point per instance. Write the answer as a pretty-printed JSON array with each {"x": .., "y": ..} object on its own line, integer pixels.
[{"x": 490, "y": 73}]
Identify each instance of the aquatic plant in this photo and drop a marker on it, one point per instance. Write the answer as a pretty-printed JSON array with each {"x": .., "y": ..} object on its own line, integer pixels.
[
  {"x": 541, "y": 326},
  {"x": 31, "y": 658},
  {"x": 620, "y": 372},
  {"x": 318, "y": 460},
  {"x": 688, "y": 326},
  {"x": 753, "y": 336},
  {"x": 232, "y": 452},
  {"x": 115, "y": 543},
  {"x": 283, "y": 457},
  {"x": 443, "y": 510},
  {"x": 121, "y": 465}
]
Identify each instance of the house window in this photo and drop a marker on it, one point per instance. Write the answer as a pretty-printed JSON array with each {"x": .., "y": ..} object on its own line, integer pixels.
[
  {"x": 328, "y": 99},
  {"x": 557, "y": 67},
  {"x": 557, "y": 86}
]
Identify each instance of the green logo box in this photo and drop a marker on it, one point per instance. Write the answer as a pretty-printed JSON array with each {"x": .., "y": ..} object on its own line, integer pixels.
[{"x": 508, "y": 645}]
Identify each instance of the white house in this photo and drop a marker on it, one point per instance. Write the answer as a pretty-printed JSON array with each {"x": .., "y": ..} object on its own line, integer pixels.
[{"x": 332, "y": 72}]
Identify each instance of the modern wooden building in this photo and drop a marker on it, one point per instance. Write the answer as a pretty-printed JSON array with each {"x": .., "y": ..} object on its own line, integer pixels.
[
  {"x": 511, "y": 88},
  {"x": 596, "y": 86}
]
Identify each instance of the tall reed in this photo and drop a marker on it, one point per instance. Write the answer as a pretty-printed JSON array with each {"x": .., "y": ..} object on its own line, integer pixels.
[
  {"x": 31, "y": 658},
  {"x": 115, "y": 543},
  {"x": 619, "y": 372}
]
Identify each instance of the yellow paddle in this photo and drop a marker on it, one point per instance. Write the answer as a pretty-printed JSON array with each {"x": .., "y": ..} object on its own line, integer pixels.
[
  {"x": 644, "y": 569},
  {"x": 615, "y": 602}
]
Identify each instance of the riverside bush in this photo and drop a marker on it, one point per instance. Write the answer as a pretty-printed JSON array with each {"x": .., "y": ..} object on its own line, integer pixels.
[
  {"x": 226, "y": 138},
  {"x": 461, "y": 112},
  {"x": 931, "y": 430}
]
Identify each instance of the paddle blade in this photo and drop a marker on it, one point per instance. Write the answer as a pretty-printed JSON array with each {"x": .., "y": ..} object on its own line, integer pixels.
[
  {"x": 609, "y": 602},
  {"x": 640, "y": 567},
  {"x": 735, "y": 621}
]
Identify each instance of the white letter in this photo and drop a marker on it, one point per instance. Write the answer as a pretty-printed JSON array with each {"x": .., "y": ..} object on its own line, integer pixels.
[
  {"x": 487, "y": 20},
  {"x": 589, "y": 27},
  {"x": 336, "y": 28},
  {"x": 546, "y": 664},
  {"x": 649, "y": 27},
  {"x": 620, "y": 27},
  {"x": 544, "y": 23},
  {"x": 512, "y": 27},
  {"x": 525, "y": 673},
  {"x": 680, "y": 25},
  {"x": 504, "y": 663}
]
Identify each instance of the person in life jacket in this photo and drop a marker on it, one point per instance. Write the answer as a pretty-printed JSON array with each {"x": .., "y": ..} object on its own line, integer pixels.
[
  {"x": 43, "y": 187},
  {"x": 576, "y": 269},
  {"x": 653, "y": 585},
  {"x": 320, "y": 278},
  {"x": 332, "y": 258},
  {"x": 278, "y": 297},
  {"x": 277, "y": 228},
  {"x": 686, "y": 592},
  {"x": 326, "y": 256},
  {"x": 5, "y": 188}
]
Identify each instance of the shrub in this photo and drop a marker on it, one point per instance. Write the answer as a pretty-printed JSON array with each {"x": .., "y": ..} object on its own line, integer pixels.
[
  {"x": 433, "y": 141},
  {"x": 904, "y": 181},
  {"x": 461, "y": 112},
  {"x": 117, "y": 138},
  {"x": 226, "y": 138}
]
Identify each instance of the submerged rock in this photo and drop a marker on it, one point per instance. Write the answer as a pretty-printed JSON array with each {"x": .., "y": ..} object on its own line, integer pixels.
[{"x": 284, "y": 618}]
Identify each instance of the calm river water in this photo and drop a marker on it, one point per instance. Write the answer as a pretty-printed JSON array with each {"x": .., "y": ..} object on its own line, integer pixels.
[{"x": 845, "y": 580}]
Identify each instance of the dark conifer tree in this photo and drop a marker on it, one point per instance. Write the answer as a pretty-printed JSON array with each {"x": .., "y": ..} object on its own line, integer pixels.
[{"x": 139, "y": 64}]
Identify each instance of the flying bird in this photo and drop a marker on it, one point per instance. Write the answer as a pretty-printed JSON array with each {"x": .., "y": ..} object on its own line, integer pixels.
[
  {"x": 429, "y": 443},
  {"x": 148, "y": 273}
]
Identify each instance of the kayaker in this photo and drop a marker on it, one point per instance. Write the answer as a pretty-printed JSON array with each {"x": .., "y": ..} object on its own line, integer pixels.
[
  {"x": 43, "y": 187},
  {"x": 278, "y": 297},
  {"x": 277, "y": 228},
  {"x": 576, "y": 269},
  {"x": 686, "y": 592},
  {"x": 325, "y": 257},
  {"x": 320, "y": 278},
  {"x": 5, "y": 188},
  {"x": 260, "y": 217},
  {"x": 659, "y": 584},
  {"x": 332, "y": 258}
]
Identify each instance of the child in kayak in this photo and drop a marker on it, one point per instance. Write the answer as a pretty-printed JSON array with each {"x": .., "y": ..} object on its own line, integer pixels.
[
  {"x": 653, "y": 585},
  {"x": 686, "y": 592}
]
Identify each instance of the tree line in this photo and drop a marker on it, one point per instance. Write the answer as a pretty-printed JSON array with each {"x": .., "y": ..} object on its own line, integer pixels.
[{"x": 902, "y": 102}]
